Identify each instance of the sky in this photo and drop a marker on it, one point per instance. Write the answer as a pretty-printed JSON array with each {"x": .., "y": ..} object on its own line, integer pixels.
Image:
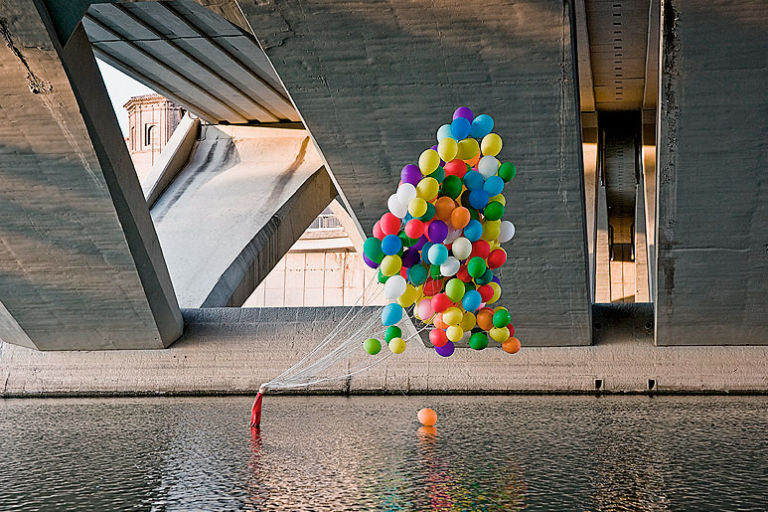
[{"x": 120, "y": 88}]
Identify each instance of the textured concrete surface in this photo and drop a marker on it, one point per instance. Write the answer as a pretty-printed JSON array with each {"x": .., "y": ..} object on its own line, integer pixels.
[
  {"x": 80, "y": 264},
  {"x": 235, "y": 350},
  {"x": 246, "y": 194},
  {"x": 373, "y": 82},
  {"x": 712, "y": 188}
]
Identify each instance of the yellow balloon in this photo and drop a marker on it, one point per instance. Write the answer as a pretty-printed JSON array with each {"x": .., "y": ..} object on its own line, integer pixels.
[
  {"x": 491, "y": 145},
  {"x": 468, "y": 322},
  {"x": 397, "y": 345},
  {"x": 452, "y": 316},
  {"x": 390, "y": 265},
  {"x": 500, "y": 334},
  {"x": 428, "y": 161},
  {"x": 468, "y": 148},
  {"x": 491, "y": 230},
  {"x": 427, "y": 189},
  {"x": 447, "y": 149},
  {"x": 454, "y": 333},
  {"x": 496, "y": 292},
  {"x": 409, "y": 296},
  {"x": 494, "y": 244},
  {"x": 499, "y": 199},
  {"x": 417, "y": 207}
]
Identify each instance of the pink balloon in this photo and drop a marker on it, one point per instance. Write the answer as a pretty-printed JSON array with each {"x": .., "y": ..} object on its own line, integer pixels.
[{"x": 424, "y": 309}]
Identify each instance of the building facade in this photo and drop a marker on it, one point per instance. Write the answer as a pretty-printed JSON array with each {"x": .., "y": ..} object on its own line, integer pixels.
[{"x": 152, "y": 118}]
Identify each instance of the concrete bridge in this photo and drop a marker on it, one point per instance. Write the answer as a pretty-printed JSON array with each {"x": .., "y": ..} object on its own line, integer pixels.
[{"x": 638, "y": 128}]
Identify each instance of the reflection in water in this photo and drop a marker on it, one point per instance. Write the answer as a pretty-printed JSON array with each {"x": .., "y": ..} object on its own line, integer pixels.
[{"x": 368, "y": 453}]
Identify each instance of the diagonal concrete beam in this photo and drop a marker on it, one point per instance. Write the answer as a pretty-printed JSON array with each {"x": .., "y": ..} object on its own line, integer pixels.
[{"x": 80, "y": 263}]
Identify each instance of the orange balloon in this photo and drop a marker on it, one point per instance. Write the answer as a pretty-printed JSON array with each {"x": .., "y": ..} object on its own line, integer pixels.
[
  {"x": 511, "y": 346},
  {"x": 473, "y": 161},
  {"x": 438, "y": 322},
  {"x": 485, "y": 319},
  {"x": 460, "y": 217},
  {"x": 443, "y": 208},
  {"x": 427, "y": 417}
]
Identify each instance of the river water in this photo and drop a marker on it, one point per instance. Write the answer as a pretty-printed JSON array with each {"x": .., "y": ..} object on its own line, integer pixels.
[{"x": 367, "y": 453}]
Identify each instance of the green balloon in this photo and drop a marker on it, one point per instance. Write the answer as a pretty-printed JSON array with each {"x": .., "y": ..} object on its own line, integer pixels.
[
  {"x": 439, "y": 174},
  {"x": 507, "y": 171},
  {"x": 382, "y": 277},
  {"x": 451, "y": 186},
  {"x": 473, "y": 214},
  {"x": 417, "y": 274},
  {"x": 454, "y": 289},
  {"x": 476, "y": 266},
  {"x": 372, "y": 346},
  {"x": 464, "y": 200},
  {"x": 478, "y": 341},
  {"x": 434, "y": 271},
  {"x": 501, "y": 318},
  {"x": 494, "y": 210},
  {"x": 469, "y": 286},
  {"x": 486, "y": 278},
  {"x": 428, "y": 214},
  {"x": 393, "y": 331},
  {"x": 372, "y": 249}
]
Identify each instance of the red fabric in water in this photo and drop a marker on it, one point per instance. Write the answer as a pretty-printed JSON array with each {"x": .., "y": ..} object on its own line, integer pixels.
[{"x": 256, "y": 411}]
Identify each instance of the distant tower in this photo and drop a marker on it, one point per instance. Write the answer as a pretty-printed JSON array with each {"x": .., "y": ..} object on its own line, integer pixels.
[{"x": 152, "y": 118}]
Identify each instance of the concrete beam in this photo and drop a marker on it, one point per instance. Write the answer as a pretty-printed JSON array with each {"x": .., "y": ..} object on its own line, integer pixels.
[
  {"x": 372, "y": 84},
  {"x": 80, "y": 264},
  {"x": 712, "y": 189},
  {"x": 245, "y": 196}
]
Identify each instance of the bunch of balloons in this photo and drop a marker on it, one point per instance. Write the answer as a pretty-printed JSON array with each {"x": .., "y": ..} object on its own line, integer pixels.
[{"x": 438, "y": 246}]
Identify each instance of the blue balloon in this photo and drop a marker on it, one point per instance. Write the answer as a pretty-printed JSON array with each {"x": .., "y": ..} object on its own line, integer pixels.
[
  {"x": 438, "y": 253},
  {"x": 391, "y": 314},
  {"x": 471, "y": 300},
  {"x": 482, "y": 125},
  {"x": 473, "y": 180},
  {"x": 425, "y": 252},
  {"x": 473, "y": 231},
  {"x": 391, "y": 244},
  {"x": 478, "y": 199},
  {"x": 493, "y": 185},
  {"x": 443, "y": 132},
  {"x": 460, "y": 128}
]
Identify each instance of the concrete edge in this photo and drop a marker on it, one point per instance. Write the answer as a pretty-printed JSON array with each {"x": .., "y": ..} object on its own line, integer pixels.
[{"x": 172, "y": 159}]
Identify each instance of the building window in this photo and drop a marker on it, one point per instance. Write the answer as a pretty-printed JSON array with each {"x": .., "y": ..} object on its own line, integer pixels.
[{"x": 149, "y": 134}]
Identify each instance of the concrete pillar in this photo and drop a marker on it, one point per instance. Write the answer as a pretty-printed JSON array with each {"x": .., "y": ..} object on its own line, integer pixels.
[{"x": 80, "y": 263}]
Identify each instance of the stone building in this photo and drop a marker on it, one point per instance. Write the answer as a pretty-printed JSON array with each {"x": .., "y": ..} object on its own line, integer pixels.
[{"x": 152, "y": 118}]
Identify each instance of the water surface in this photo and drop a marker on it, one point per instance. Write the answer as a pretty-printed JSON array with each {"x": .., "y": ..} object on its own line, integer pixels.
[{"x": 367, "y": 453}]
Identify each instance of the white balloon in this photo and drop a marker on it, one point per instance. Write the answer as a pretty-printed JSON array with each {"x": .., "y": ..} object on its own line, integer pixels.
[
  {"x": 405, "y": 193},
  {"x": 506, "y": 232},
  {"x": 394, "y": 287},
  {"x": 488, "y": 166},
  {"x": 452, "y": 235},
  {"x": 461, "y": 248},
  {"x": 450, "y": 267},
  {"x": 396, "y": 207}
]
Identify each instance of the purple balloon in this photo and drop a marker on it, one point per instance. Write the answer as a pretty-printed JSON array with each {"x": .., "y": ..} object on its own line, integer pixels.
[
  {"x": 437, "y": 231},
  {"x": 496, "y": 280},
  {"x": 411, "y": 174},
  {"x": 411, "y": 257},
  {"x": 464, "y": 112},
  {"x": 446, "y": 350},
  {"x": 434, "y": 147},
  {"x": 369, "y": 262},
  {"x": 420, "y": 243}
]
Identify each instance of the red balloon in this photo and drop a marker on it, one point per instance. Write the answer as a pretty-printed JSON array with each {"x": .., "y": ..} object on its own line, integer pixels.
[
  {"x": 377, "y": 232},
  {"x": 404, "y": 273},
  {"x": 438, "y": 337},
  {"x": 441, "y": 302},
  {"x": 463, "y": 273},
  {"x": 456, "y": 168},
  {"x": 432, "y": 287},
  {"x": 390, "y": 224},
  {"x": 497, "y": 258},
  {"x": 486, "y": 292},
  {"x": 481, "y": 249},
  {"x": 414, "y": 228},
  {"x": 511, "y": 330}
]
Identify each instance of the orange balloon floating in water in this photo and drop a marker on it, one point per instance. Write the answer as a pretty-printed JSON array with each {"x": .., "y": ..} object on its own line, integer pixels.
[
  {"x": 511, "y": 346},
  {"x": 427, "y": 417}
]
